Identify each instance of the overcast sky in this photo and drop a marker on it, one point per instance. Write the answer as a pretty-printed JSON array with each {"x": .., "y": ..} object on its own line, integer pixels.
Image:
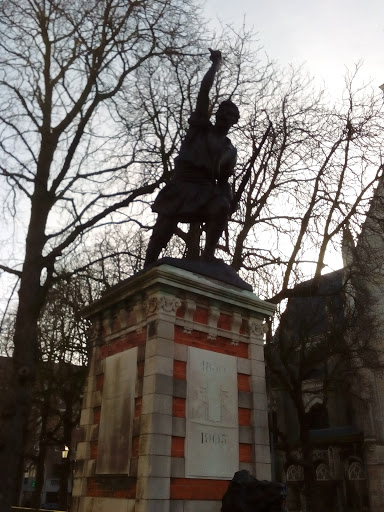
[{"x": 329, "y": 36}]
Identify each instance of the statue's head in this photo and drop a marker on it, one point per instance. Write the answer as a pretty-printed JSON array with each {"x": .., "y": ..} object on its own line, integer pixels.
[{"x": 227, "y": 114}]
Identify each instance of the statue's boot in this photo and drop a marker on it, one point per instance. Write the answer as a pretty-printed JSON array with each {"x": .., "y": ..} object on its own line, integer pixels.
[
  {"x": 161, "y": 235},
  {"x": 214, "y": 230}
]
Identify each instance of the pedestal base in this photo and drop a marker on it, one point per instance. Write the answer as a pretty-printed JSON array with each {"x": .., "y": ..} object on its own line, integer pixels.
[{"x": 176, "y": 399}]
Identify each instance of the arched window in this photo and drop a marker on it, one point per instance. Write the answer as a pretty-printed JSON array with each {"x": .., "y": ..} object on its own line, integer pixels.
[
  {"x": 322, "y": 472},
  {"x": 356, "y": 471},
  {"x": 295, "y": 473}
]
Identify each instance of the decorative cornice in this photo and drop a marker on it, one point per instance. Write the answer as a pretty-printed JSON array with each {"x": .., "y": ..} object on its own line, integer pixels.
[{"x": 172, "y": 278}]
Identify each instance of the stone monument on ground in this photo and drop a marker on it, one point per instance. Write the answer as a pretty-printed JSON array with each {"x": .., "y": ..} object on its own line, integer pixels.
[{"x": 175, "y": 402}]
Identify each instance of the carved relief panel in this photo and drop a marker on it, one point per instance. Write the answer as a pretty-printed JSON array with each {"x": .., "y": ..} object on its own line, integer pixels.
[{"x": 212, "y": 444}]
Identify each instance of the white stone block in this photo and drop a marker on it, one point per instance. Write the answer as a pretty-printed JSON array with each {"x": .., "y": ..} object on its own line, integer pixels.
[
  {"x": 202, "y": 506},
  {"x": 263, "y": 471},
  {"x": 86, "y": 417},
  {"x": 261, "y": 436},
  {"x": 165, "y": 329},
  {"x": 106, "y": 505},
  {"x": 248, "y": 466},
  {"x": 159, "y": 346},
  {"x": 157, "y": 383},
  {"x": 256, "y": 352},
  {"x": 262, "y": 454},
  {"x": 258, "y": 385},
  {"x": 245, "y": 435},
  {"x": 155, "y": 444},
  {"x": 178, "y": 427},
  {"x": 243, "y": 366},
  {"x": 260, "y": 401},
  {"x": 154, "y": 465},
  {"x": 144, "y": 505},
  {"x": 245, "y": 400},
  {"x": 260, "y": 418},
  {"x": 80, "y": 487},
  {"x": 181, "y": 352},
  {"x": 89, "y": 468},
  {"x": 96, "y": 398},
  {"x": 257, "y": 368},
  {"x": 178, "y": 467},
  {"x": 176, "y": 506},
  {"x": 83, "y": 451},
  {"x": 153, "y": 488},
  {"x": 156, "y": 424},
  {"x": 156, "y": 403},
  {"x": 158, "y": 364}
]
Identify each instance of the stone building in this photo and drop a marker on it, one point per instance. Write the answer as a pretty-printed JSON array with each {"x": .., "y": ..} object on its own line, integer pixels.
[
  {"x": 340, "y": 380},
  {"x": 365, "y": 261},
  {"x": 311, "y": 406}
]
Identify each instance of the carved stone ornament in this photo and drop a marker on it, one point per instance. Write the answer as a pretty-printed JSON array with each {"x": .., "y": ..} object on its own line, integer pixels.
[
  {"x": 122, "y": 316},
  {"x": 257, "y": 328},
  {"x": 190, "y": 308},
  {"x": 236, "y": 322},
  {"x": 169, "y": 304},
  {"x": 150, "y": 305},
  {"x": 213, "y": 317},
  {"x": 164, "y": 303}
]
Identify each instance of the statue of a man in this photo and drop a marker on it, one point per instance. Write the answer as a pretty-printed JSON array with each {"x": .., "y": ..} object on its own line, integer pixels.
[{"x": 199, "y": 190}]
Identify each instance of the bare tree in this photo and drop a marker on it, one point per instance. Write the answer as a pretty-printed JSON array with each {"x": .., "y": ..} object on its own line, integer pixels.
[
  {"x": 64, "y": 167},
  {"x": 312, "y": 169},
  {"x": 63, "y": 358},
  {"x": 306, "y": 168}
]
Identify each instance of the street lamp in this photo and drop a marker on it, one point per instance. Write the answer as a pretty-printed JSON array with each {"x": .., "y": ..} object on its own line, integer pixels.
[
  {"x": 64, "y": 453},
  {"x": 63, "y": 491}
]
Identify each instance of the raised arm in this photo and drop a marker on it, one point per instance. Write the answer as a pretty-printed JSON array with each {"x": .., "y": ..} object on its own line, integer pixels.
[{"x": 202, "y": 104}]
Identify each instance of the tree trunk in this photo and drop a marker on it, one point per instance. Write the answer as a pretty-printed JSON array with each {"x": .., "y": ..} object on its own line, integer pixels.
[
  {"x": 66, "y": 468},
  {"x": 15, "y": 405},
  {"x": 40, "y": 474},
  {"x": 309, "y": 473},
  {"x": 64, "y": 480}
]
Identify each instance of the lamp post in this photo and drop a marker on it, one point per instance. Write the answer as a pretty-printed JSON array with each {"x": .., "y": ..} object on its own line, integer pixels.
[
  {"x": 63, "y": 491},
  {"x": 64, "y": 452}
]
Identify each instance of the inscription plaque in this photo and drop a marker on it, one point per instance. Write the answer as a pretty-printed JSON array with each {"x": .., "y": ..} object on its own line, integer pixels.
[
  {"x": 212, "y": 435},
  {"x": 117, "y": 411}
]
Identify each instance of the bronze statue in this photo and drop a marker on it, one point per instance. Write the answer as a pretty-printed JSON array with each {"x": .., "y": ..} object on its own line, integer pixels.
[{"x": 199, "y": 190}]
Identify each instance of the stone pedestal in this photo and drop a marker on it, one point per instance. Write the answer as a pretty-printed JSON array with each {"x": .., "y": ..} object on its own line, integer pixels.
[{"x": 175, "y": 400}]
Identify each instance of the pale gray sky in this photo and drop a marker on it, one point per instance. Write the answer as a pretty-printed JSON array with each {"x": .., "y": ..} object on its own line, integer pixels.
[{"x": 328, "y": 36}]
